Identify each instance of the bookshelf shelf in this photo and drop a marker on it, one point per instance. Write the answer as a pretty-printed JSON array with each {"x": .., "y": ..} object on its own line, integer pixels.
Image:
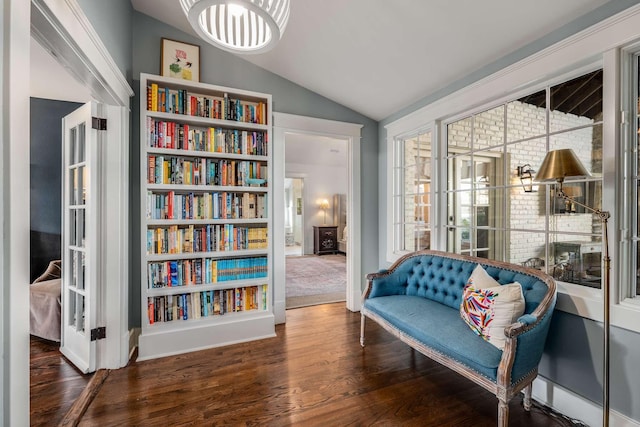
[
  {"x": 206, "y": 159},
  {"x": 206, "y": 154},
  {"x": 205, "y": 188},
  {"x": 213, "y": 254},
  {"x": 205, "y": 121},
  {"x": 229, "y": 284}
]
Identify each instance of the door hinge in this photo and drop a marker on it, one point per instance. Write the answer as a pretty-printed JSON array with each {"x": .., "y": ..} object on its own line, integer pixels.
[
  {"x": 98, "y": 123},
  {"x": 98, "y": 333}
]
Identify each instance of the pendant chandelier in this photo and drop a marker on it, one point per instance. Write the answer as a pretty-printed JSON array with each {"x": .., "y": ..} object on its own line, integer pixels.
[{"x": 238, "y": 26}]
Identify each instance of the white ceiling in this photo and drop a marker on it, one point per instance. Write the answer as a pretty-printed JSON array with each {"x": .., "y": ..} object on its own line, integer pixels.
[{"x": 377, "y": 57}]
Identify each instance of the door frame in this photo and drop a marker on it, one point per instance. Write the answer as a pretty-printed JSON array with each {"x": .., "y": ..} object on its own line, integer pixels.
[
  {"x": 284, "y": 123},
  {"x": 63, "y": 28}
]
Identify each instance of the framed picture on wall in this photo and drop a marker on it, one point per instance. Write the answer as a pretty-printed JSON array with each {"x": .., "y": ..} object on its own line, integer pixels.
[{"x": 180, "y": 60}]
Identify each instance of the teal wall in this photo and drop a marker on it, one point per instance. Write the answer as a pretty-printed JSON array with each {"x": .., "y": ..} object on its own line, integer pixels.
[
  {"x": 225, "y": 69},
  {"x": 112, "y": 20},
  {"x": 573, "y": 355}
]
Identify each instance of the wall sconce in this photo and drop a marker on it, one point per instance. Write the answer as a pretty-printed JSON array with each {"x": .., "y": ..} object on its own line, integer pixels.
[
  {"x": 525, "y": 173},
  {"x": 324, "y": 205}
]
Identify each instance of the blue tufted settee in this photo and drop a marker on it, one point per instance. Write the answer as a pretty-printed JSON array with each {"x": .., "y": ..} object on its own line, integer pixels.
[{"x": 418, "y": 300}]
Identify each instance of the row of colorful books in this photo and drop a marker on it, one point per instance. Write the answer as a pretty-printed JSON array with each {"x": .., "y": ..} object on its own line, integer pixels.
[
  {"x": 215, "y": 205},
  {"x": 182, "y": 136},
  {"x": 208, "y": 238},
  {"x": 196, "y": 305},
  {"x": 200, "y": 171},
  {"x": 180, "y": 101},
  {"x": 189, "y": 272}
]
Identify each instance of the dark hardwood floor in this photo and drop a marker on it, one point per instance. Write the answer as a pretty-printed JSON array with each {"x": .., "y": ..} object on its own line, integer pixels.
[
  {"x": 313, "y": 373},
  {"x": 55, "y": 383}
]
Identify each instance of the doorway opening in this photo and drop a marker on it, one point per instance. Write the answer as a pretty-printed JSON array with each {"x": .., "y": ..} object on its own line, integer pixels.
[
  {"x": 71, "y": 49},
  {"x": 284, "y": 126},
  {"x": 315, "y": 213},
  {"x": 293, "y": 216}
]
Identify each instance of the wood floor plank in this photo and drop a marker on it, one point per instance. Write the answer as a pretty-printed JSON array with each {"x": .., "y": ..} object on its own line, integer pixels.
[
  {"x": 313, "y": 373},
  {"x": 54, "y": 383}
]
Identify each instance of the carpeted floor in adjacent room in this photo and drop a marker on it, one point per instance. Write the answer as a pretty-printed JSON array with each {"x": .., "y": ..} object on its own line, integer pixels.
[{"x": 313, "y": 279}]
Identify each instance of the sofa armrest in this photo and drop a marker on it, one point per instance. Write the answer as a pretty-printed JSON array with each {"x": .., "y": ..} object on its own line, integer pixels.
[
  {"x": 383, "y": 283},
  {"x": 526, "y": 340}
]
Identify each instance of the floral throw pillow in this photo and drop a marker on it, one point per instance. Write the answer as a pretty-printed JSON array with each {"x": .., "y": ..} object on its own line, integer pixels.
[{"x": 488, "y": 310}]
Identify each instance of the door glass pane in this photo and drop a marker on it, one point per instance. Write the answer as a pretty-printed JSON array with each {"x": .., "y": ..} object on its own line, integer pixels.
[
  {"x": 71, "y": 307},
  {"x": 73, "y": 186},
  {"x": 577, "y": 102},
  {"x": 423, "y": 238},
  {"x": 488, "y": 128},
  {"x": 423, "y": 204},
  {"x": 80, "y": 313},
  {"x": 577, "y": 259},
  {"x": 80, "y": 144},
  {"x": 527, "y": 117},
  {"x": 586, "y": 143},
  {"x": 531, "y": 152},
  {"x": 73, "y": 268},
  {"x": 582, "y": 193},
  {"x": 527, "y": 211},
  {"x": 527, "y": 247},
  {"x": 409, "y": 237},
  {"x": 80, "y": 266},
  {"x": 459, "y": 135},
  {"x": 410, "y": 152},
  {"x": 80, "y": 228}
]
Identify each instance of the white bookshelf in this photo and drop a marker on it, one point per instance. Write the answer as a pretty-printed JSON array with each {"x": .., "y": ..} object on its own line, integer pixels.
[{"x": 192, "y": 219}]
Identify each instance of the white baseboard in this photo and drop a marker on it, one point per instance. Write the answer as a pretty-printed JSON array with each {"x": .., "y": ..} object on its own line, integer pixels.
[{"x": 572, "y": 405}]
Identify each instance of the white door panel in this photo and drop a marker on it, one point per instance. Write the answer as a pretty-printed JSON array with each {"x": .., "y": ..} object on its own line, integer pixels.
[{"x": 80, "y": 220}]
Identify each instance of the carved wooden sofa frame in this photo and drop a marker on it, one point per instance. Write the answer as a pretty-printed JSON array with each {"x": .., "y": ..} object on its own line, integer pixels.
[{"x": 442, "y": 276}]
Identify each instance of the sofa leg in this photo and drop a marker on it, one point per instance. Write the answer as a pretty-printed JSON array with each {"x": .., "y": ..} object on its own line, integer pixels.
[
  {"x": 503, "y": 413},
  {"x": 362, "y": 330},
  {"x": 527, "y": 397}
]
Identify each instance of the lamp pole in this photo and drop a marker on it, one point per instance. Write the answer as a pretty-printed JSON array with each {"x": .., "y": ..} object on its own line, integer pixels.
[{"x": 604, "y": 219}]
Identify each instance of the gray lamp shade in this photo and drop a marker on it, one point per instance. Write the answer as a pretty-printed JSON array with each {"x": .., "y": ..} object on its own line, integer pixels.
[{"x": 560, "y": 164}]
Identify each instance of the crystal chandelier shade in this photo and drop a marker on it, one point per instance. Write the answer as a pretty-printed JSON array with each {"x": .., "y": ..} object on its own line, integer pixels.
[{"x": 238, "y": 26}]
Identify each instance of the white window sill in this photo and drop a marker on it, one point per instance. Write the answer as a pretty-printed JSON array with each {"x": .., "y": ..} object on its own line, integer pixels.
[{"x": 587, "y": 302}]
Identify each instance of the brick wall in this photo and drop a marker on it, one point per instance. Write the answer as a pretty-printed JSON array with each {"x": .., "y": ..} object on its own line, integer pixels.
[{"x": 526, "y": 211}]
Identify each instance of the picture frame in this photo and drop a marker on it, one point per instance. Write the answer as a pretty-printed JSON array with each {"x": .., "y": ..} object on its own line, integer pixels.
[{"x": 179, "y": 60}]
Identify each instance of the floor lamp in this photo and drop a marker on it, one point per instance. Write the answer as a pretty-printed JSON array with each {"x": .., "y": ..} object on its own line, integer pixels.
[{"x": 558, "y": 165}]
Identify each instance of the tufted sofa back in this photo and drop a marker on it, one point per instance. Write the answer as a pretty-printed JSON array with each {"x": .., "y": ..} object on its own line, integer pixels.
[{"x": 442, "y": 279}]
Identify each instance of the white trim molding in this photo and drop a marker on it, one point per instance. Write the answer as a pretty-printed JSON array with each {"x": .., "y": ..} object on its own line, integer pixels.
[
  {"x": 62, "y": 28},
  {"x": 289, "y": 123},
  {"x": 574, "y": 406},
  {"x": 14, "y": 215}
]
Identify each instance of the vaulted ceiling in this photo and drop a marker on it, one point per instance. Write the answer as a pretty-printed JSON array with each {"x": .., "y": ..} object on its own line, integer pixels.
[{"x": 378, "y": 57}]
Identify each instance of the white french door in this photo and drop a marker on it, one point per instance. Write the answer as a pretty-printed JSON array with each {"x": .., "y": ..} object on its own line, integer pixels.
[{"x": 80, "y": 222}]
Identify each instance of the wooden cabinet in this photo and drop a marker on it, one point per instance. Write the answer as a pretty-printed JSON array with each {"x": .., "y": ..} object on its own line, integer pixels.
[{"x": 325, "y": 239}]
